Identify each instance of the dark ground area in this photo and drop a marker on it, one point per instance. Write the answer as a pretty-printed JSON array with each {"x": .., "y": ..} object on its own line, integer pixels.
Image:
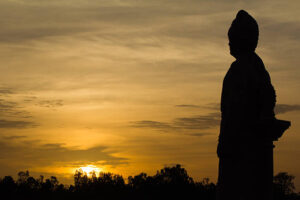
[{"x": 168, "y": 183}]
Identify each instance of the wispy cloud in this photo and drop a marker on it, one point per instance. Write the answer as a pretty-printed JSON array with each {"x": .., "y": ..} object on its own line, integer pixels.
[
  {"x": 32, "y": 154},
  {"x": 15, "y": 114},
  {"x": 198, "y": 122},
  {"x": 16, "y": 124},
  {"x": 13, "y": 109},
  {"x": 4, "y": 91},
  {"x": 187, "y": 106},
  {"x": 284, "y": 108},
  {"x": 14, "y": 137},
  {"x": 199, "y": 134},
  {"x": 210, "y": 106},
  {"x": 152, "y": 124},
  {"x": 182, "y": 124},
  {"x": 12, "y": 113},
  {"x": 51, "y": 103}
]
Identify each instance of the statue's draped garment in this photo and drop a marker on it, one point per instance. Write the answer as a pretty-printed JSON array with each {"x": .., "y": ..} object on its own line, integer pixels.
[{"x": 245, "y": 152}]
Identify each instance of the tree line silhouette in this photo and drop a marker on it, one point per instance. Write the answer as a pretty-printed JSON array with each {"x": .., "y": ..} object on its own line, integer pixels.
[{"x": 168, "y": 183}]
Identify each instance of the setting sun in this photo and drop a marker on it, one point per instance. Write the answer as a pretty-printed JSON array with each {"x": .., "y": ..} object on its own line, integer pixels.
[{"x": 89, "y": 169}]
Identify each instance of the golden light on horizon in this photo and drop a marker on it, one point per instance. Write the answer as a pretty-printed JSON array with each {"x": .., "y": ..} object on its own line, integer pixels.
[
  {"x": 125, "y": 88},
  {"x": 90, "y": 169}
]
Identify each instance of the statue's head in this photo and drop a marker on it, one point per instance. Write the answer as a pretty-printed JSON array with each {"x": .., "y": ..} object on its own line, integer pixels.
[{"x": 243, "y": 34}]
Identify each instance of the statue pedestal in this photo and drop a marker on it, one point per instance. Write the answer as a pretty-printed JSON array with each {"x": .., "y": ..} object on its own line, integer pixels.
[{"x": 248, "y": 174}]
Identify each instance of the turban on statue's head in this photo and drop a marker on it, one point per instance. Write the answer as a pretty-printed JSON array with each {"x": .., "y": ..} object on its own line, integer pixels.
[{"x": 243, "y": 33}]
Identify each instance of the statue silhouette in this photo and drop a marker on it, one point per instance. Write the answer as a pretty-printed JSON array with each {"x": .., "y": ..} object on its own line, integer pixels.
[{"x": 248, "y": 125}]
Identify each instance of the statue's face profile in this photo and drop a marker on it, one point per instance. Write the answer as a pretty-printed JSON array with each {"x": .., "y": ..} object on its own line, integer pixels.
[{"x": 233, "y": 50}]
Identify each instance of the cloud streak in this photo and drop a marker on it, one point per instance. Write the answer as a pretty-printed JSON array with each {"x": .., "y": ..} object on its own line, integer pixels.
[
  {"x": 14, "y": 114},
  {"x": 4, "y": 91},
  {"x": 16, "y": 124},
  {"x": 51, "y": 103},
  {"x": 152, "y": 124},
  {"x": 187, "y": 106},
  {"x": 31, "y": 154},
  {"x": 199, "y": 122},
  {"x": 210, "y": 106},
  {"x": 284, "y": 108},
  {"x": 182, "y": 124},
  {"x": 14, "y": 137}
]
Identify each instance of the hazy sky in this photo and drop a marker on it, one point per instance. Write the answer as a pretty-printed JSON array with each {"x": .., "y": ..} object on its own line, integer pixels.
[{"x": 132, "y": 85}]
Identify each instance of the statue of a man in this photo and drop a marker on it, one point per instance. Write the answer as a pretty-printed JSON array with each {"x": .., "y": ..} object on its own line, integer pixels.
[{"x": 245, "y": 148}]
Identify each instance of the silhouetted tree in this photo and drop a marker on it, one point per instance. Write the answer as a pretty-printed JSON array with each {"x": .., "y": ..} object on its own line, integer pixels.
[
  {"x": 138, "y": 181},
  {"x": 168, "y": 183},
  {"x": 22, "y": 176},
  {"x": 173, "y": 175},
  {"x": 284, "y": 186},
  {"x": 7, "y": 184},
  {"x": 77, "y": 178}
]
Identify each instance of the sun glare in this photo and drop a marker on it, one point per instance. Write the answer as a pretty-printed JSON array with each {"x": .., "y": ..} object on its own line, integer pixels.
[{"x": 90, "y": 169}]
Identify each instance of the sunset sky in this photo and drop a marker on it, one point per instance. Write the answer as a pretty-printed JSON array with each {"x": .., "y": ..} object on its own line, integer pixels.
[{"x": 131, "y": 86}]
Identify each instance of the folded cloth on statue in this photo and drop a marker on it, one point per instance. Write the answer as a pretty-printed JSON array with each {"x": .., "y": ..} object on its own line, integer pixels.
[{"x": 273, "y": 129}]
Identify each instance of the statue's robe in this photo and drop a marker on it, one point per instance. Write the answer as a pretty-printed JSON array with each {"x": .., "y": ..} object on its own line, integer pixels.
[{"x": 245, "y": 152}]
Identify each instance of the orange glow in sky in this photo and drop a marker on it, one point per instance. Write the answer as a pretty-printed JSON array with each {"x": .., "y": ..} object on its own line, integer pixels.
[
  {"x": 89, "y": 169},
  {"x": 131, "y": 86}
]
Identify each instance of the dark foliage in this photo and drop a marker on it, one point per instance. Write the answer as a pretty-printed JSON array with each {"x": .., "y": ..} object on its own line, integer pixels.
[
  {"x": 284, "y": 187},
  {"x": 168, "y": 183}
]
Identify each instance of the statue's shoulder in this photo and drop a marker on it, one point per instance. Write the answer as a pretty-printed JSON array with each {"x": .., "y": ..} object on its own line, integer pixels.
[
  {"x": 239, "y": 68},
  {"x": 233, "y": 67},
  {"x": 231, "y": 71},
  {"x": 261, "y": 69}
]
